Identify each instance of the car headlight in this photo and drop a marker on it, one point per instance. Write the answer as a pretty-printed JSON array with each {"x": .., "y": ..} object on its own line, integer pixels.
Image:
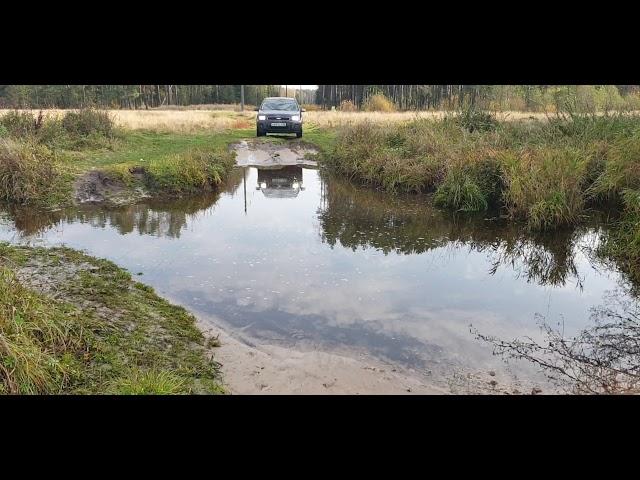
[
  {"x": 262, "y": 117},
  {"x": 295, "y": 118},
  {"x": 263, "y": 185},
  {"x": 295, "y": 185}
]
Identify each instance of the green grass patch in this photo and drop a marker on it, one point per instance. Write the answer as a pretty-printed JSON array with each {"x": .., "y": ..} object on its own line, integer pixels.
[
  {"x": 189, "y": 172},
  {"x": 622, "y": 167},
  {"x": 147, "y": 382},
  {"x": 141, "y": 147},
  {"x": 103, "y": 333},
  {"x": 461, "y": 192}
]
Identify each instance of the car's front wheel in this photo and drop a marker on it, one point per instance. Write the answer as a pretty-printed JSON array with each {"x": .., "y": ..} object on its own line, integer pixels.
[
  {"x": 299, "y": 134},
  {"x": 259, "y": 132}
]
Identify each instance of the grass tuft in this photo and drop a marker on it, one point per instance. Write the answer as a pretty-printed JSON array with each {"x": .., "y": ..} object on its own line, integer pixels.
[
  {"x": 545, "y": 186},
  {"x": 189, "y": 172},
  {"x": 461, "y": 192},
  {"x": 147, "y": 382},
  {"x": 32, "y": 174}
]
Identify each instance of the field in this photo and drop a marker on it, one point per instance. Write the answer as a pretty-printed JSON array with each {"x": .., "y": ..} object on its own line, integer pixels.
[{"x": 218, "y": 120}]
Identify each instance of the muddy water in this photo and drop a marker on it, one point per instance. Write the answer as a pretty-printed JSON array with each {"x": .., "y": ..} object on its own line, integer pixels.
[{"x": 288, "y": 258}]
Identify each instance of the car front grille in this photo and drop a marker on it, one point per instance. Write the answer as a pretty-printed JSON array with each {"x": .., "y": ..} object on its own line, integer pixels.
[{"x": 279, "y": 117}]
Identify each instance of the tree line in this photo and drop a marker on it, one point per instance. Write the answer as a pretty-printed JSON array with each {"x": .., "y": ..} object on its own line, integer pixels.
[
  {"x": 498, "y": 97},
  {"x": 405, "y": 97},
  {"x": 129, "y": 96}
]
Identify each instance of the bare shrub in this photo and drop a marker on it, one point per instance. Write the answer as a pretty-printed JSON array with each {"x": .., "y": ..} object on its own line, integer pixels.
[
  {"x": 347, "y": 106},
  {"x": 602, "y": 359},
  {"x": 378, "y": 103}
]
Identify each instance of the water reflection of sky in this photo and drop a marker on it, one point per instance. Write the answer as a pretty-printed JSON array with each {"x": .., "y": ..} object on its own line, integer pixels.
[{"x": 268, "y": 274}]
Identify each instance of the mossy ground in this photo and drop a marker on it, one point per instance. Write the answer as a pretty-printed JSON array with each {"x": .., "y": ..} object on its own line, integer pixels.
[{"x": 76, "y": 324}]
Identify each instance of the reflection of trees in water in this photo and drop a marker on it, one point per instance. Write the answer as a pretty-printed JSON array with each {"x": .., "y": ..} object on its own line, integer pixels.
[
  {"x": 360, "y": 218},
  {"x": 603, "y": 358},
  {"x": 30, "y": 221},
  {"x": 545, "y": 259},
  {"x": 161, "y": 218},
  {"x": 153, "y": 217}
]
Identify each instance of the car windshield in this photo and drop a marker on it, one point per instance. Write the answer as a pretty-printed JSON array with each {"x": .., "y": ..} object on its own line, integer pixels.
[{"x": 279, "y": 104}]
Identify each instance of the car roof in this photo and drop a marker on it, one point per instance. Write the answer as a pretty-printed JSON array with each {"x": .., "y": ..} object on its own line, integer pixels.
[{"x": 279, "y": 98}]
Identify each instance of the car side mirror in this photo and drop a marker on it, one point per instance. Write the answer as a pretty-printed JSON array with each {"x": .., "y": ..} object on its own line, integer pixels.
[
  {"x": 303, "y": 110},
  {"x": 256, "y": 109}
]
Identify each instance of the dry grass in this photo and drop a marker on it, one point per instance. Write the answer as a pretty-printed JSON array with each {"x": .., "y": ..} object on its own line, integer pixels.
[
  {"x": 183, "y": 120},
  {"x": 339, "y": 118},
  {"x": 378, "y": 103},
  {"x": 197, "y": 119},
  {"x": 227, "y": 107},
  {"x": 179, "y": 120}
]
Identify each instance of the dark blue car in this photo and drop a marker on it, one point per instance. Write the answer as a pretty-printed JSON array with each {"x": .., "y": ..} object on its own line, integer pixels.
[{"x": 279, "y": 115}]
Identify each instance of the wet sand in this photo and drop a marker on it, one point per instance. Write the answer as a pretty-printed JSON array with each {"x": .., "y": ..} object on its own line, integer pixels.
[{"x": 267, "y": 369}]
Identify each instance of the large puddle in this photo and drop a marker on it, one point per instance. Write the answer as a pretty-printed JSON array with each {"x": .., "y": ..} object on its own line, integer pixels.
[{"x": 285, "y": 257}]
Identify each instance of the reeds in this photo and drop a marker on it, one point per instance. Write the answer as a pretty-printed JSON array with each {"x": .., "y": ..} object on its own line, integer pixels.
[
  {"x": 32, "y": 174},
  {"x": 545, "y": 173}
]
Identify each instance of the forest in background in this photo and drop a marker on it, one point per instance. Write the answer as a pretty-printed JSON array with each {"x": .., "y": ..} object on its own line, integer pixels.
[
  {"x": 535, "y": 98},
  {"x": 133, "y": 96}
]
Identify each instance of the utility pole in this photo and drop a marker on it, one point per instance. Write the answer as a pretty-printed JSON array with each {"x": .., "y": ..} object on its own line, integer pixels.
[
  {"x": 244, "y": 185},
  {"x": 242, "y": 98}
]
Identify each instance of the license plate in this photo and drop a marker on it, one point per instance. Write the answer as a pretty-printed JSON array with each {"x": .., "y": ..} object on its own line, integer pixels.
[{"x": 278, "y": 124}]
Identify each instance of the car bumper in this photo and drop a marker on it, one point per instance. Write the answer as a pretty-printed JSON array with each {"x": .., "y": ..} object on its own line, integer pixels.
[{"x": 290, "y": 127}]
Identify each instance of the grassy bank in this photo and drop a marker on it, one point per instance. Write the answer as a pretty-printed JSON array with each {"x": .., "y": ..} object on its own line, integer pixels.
[
  {"x": 175, "y": 164},
  {"x": 71, "y": 323},
  {"x": 44, "y": 154},
  {"x": 547, "y": 174},
  {"x": 42, "y": 157}
]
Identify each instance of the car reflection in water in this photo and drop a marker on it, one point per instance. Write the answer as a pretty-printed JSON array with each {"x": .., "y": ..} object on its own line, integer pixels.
[{"x": 284, "y": 182}]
